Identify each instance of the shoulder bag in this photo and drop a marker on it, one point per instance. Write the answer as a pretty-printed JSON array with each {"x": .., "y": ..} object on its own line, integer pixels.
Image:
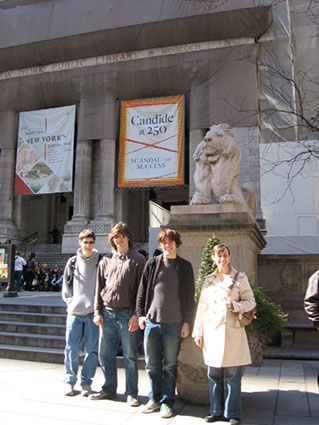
[{"x": 247, "y": 317}]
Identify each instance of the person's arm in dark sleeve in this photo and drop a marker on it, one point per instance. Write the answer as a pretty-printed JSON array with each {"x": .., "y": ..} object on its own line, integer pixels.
[{"x": 311, "y": 301}]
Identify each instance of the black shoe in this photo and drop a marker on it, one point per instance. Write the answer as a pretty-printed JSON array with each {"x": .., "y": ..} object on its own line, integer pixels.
[
  {"x": 212, "y": 418},
  {"x": 102, "y": 396}
]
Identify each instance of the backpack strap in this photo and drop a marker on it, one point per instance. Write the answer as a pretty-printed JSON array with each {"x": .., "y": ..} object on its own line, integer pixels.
[{"x": 70, "y": 278}]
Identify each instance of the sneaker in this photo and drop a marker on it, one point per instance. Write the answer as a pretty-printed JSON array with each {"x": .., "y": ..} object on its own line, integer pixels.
[
  {"x": 152, "y": 406},
  {"x": 166, "y": 411},
  {"x": 86, "y": 392},
  {"x": 132, "y": 401},
  {"x": 234, "y": 421},
  {"x": 102, "y": 396},
  {"x": 69, "y": 390},
  {"x": 212, "y": 418}
]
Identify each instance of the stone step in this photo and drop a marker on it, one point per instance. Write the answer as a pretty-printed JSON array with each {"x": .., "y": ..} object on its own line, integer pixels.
[
  {"x": 299, "y": 334},
  {"x": 301, "y": 353},
  {"x": 33, "y": 331},
  {"x": 32, "y": 328},
  {"x": 31, "y": 353},
  {"x": 13, "y": 316},
  {"x": 33, "y": 340},
  {"x": 29, "y": 308},
  {"x": 53, "y": 258}
]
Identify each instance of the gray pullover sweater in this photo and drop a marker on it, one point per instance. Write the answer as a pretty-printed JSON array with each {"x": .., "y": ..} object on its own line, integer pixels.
[{"x": 80, "y": 296}]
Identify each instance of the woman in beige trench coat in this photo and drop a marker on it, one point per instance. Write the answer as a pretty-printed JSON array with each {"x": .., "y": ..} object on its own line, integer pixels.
[{"x": 218, "y": 332}]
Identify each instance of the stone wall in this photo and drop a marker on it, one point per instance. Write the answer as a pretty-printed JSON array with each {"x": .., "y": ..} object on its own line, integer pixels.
[{"x": 285, "y": 278}]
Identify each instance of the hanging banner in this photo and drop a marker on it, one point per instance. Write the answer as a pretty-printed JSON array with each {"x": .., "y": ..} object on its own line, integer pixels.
[
  {"x": 45, "y": 151},
  {"x": 151, "y": 142}
]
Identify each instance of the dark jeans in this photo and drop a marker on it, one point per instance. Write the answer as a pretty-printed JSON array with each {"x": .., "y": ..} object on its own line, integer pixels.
[
  {"x": 162, "y": 342},
  {"x": 115, "y": 327},
  {"x": 18, "y": 279},
  {"x": 231, "y": 408}
]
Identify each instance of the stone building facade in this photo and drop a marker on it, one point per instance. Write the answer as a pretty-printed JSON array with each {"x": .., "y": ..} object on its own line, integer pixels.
[{"x": 95, "y": 54}]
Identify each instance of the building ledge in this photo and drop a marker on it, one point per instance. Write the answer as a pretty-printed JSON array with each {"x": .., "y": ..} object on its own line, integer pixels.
[{"x": 58, "y": 39}]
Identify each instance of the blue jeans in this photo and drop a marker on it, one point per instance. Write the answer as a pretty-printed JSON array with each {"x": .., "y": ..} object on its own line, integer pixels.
[
  {"x": 162, "y": 342},
  {"x": 18, "y": 279},
  {"x": 115, "y": 327},
  {"x": 231, "y": 408},
  {"x": 79, "y": 329}
]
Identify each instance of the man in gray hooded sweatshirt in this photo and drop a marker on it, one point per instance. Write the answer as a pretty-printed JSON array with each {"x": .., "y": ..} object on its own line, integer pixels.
[{"x": 79, "y": 282}]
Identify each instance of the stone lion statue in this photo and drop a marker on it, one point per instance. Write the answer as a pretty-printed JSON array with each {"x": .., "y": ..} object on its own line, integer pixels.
[{"x": 217, "y": 159}]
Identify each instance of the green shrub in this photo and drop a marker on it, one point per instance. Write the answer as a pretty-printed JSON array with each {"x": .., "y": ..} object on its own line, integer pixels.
[
  {"x": 206, "y": 266},
  {"x": 269, "y": 318}
]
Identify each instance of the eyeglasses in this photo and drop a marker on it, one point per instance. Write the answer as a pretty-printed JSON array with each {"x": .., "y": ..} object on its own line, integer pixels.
[{"x": 88, "y": 242}]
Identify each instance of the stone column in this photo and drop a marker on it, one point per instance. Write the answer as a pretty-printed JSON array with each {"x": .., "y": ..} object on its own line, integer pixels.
[
  {"x": 82, "y": 196},
  {"x": 8, "y": 135},
  {"x": 105, "y": 209},
  {"x": 195, "y": 136},
  {"x": 7, "y": 161},
  {"x": 82, "y": 186},
  {"x": 105, "y": 200}
]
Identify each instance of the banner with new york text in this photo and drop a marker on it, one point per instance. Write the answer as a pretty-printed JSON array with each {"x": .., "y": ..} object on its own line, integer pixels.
[{"x": 44, "y": 162}]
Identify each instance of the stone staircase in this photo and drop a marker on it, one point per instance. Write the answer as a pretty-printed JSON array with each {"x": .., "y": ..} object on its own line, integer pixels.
[
  {"x": 32, "y": 327},
  {"x": 32, "y": 332},
  {"x": 53, "y": 258}
]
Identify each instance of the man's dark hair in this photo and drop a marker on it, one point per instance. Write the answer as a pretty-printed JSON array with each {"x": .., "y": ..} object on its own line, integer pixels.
[
  {"x": 123, "y": 229},
  {"x": 171, "y": 234},
  {"x": 86, "y": 233}
]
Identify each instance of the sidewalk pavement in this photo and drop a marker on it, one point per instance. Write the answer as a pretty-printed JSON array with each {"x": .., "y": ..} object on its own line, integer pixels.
[
  {"x": 33, "y": 298},
  {"x": 280, "y": 392}
]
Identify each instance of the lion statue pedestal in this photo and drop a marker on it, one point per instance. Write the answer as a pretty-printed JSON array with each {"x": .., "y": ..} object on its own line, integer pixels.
[
  {"x": 192, "y": 383},
  {"x": 218, "y": 206}
]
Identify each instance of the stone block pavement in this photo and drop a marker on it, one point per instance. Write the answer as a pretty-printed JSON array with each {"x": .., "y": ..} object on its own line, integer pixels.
[{"x": 280, "y": 392}]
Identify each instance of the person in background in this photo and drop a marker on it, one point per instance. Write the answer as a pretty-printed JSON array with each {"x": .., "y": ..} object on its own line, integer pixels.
[
  {"x": 156, "y": 252},
  {"x": 78, "y": 292},
  {"x": 19, "y": 262},
  {"x": 55, "y": 235},
  {"x": 30, "y": 272},
  {"x": 144, "y": 253},
  {"x": 118, "y": 277},
  {"x": 217, "y": 330},
  {"x": 55, "y": 275},
  {"x": 311, "y": 302},
  {"x": 44, "y": 278},
  {"x": 165, "y": 307}
]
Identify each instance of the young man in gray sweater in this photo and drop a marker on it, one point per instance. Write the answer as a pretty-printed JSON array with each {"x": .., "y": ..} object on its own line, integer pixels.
[{"x": 78, "y": 290}]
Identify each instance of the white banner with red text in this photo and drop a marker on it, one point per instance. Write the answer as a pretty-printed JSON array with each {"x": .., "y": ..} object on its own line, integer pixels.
[{"x": 152, "y": 142}]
